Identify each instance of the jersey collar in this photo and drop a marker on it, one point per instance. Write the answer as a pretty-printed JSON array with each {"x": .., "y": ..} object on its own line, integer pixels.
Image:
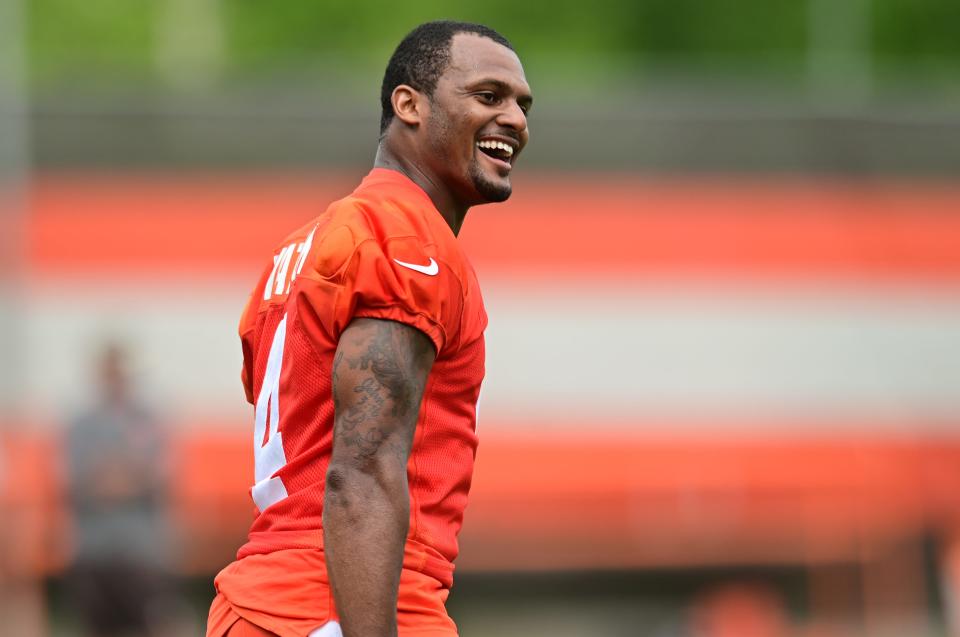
[{"x": 396, "y": 179}]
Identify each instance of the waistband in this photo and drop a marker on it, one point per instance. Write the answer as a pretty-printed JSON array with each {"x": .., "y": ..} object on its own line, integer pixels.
[{"x": 416, "y": 555}]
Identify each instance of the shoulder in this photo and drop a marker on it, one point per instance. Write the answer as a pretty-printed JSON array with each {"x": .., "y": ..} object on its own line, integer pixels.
[
  {"x": 370, "y": 224},
  {"x": 381, "y": 217},
  {"x": 379, "y": 259}
]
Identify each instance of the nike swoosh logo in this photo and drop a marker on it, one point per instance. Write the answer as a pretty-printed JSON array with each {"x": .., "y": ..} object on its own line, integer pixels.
[{"x": 430, "y": 269}]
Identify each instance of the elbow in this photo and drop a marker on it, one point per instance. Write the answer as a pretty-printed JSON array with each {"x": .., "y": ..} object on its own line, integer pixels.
[
  {"x": 342, "y": 498},
  {"x": 349, "y": 484},
  {"x": 362, "y": 460},
  {"x": 352, "y": 498},
  {"x": 337, "y": 480}
]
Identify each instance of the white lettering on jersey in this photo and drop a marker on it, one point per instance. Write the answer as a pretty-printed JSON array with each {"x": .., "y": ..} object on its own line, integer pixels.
[
  {"x": 269, "y": 456},
  {"x": 268, "y": 288},
  {"x": 303, "y": 249},
  {"x": 277, "y": 282},
  {"x": 285, "y": 255}
]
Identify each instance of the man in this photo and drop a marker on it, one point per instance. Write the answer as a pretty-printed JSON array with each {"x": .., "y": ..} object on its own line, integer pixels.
[
  {"x": 117, "y": 468},
  {"x": 363, "y": 355}
]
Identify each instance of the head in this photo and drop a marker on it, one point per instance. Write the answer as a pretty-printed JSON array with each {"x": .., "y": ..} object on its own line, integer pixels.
[
  {"x": 455, "y": 96},
  {"x": 113, "y": 372}
]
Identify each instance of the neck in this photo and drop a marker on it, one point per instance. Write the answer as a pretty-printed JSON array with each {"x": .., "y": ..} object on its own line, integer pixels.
[{"x": 452, "y": 211}]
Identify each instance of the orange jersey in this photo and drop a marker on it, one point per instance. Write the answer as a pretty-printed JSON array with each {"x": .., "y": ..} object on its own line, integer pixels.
[{"x": 383, "y": 252}]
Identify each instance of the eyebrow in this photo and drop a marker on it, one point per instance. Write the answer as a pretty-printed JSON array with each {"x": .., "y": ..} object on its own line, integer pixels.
[{"x": 524, "y": 99}]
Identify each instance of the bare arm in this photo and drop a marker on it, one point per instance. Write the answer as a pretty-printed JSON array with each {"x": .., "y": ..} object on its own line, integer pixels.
[{"x": 379, "y": 374}]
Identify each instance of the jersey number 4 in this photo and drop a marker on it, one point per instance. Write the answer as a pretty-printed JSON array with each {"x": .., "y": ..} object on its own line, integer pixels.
[{"x": 268, "y": 453}]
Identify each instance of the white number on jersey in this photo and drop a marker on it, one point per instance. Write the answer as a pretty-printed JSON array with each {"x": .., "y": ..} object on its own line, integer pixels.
[{"x": 269, "y": 457}]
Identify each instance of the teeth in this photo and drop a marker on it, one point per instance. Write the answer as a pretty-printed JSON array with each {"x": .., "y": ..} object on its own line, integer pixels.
[{"x": 495, "y": 145}]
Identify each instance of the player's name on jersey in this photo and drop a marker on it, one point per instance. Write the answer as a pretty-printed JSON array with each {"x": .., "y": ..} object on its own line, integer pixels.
[{"x": 282, "y": 277}]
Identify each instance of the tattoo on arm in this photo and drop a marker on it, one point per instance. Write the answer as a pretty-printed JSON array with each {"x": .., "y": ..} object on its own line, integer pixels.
[{"x": 378, "y": 382}]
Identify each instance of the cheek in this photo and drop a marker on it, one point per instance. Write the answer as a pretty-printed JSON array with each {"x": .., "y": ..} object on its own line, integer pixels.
[
  {"x": 443, "y": 135},
  {"x": 439, "y": 147},
  {"x": 452, "y": 136}
]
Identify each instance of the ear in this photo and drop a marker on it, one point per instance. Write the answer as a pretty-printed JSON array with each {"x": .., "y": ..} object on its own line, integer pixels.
[{"x": 408, "y": 104}]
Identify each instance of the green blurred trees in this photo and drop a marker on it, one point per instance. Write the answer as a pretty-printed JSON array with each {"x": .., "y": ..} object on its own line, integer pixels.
[
  {"x": 115, "y": 41},
  {"x": 917, "y": 33},
  {"x": 96, "y": 40}
]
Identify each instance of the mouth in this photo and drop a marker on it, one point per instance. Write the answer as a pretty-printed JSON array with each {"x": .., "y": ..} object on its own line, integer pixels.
[{"x": 501, "y": 151}]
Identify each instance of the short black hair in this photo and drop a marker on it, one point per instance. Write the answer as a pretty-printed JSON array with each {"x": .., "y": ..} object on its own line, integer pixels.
[{"x": 422, "y": 57}]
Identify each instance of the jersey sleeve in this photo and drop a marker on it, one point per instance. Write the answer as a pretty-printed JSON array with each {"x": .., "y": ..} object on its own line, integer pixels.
[
  {"x": 248, "y": 333},
  {"x": 246, "y": 343},
  {"x": 399, "y": 279}
]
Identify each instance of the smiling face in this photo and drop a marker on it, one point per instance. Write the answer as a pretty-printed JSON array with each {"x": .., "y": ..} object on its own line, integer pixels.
[{"x": 477, "y": 120}]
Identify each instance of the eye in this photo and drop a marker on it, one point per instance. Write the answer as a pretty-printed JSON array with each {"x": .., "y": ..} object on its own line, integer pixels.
[{"x": 489, "y": 98}]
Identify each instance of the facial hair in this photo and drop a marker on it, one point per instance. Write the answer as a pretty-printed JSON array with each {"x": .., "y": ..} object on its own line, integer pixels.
[
  {"x": 491, "y": 191},
  {"x": 441, "y": 130}
]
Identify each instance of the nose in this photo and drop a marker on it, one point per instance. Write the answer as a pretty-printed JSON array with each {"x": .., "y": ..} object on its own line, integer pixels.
[{"x": 512, "y": 116}]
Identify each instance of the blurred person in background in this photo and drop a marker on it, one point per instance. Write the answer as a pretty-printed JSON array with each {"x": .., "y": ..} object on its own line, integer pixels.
[
  {"x": 117, "y": 470},
  {"x": 363, "y": 356}
]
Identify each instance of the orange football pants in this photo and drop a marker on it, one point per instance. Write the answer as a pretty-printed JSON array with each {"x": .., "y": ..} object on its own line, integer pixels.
[
  {"x": 287, "y": 593},
  {"x": 243, "y": 628}
]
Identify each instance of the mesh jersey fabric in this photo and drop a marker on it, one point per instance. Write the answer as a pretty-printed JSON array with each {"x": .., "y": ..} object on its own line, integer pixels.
[{"x": 382, "y": 252}]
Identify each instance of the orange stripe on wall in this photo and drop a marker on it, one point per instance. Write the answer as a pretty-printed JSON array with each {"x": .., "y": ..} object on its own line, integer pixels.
[
  {"x": 594, "y": 501},
  {"x": 155, "y": 224},
  {"x": 584, "y": 498},
  {"x": 714, "y": 228}
]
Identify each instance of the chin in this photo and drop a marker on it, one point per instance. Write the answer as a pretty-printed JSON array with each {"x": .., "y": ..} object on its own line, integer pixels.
[
  {"x": 495, "y": 193},
  {"x": 492, "y": 191}
]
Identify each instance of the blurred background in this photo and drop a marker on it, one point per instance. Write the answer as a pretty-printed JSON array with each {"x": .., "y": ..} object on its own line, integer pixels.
[{"x": 723, "y": 386}]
